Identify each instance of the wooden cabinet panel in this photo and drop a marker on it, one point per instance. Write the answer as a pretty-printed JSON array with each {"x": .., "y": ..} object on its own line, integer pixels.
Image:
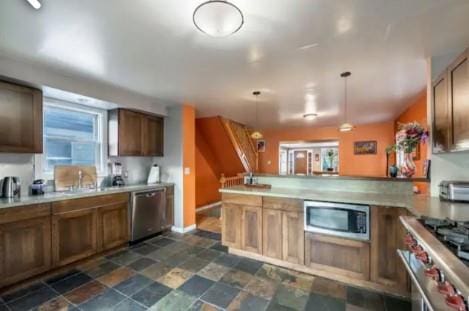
[
  {"x": 169, "y": 211},
  {"x": 337, "y": 255},
  {"x": 387, "y": 235},
  {"x": 153, "y": 140},
  {"x": 284, "y": 204},
  {"x": 231, "y": 225},
  {"x": 242, "y": 199},
  {"x": 293, "y": 240},
  {"x": 74, "y": 235},
  {"x": 25, "y": 249},
  {"x": 130, "y": 133},
  {"x": 441, "y": 114},
  {"x": 272, "y": 233},
  {"x": 113, "y": 225},
  {"x": 251, "y": 233},
  {"x": 21, "y": 119},
  {"x": 459, "y": 99}
]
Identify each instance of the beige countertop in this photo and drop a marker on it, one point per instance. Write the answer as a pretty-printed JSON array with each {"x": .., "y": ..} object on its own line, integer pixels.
[
  {"x": 60, "y": 196},
  {"x": 418, "y": 205}
]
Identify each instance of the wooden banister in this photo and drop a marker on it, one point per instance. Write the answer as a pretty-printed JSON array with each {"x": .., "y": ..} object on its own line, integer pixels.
[{"x": 226, "y": 182}]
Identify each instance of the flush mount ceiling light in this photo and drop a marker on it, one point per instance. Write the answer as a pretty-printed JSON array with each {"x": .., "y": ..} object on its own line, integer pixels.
[
  {"x": 256, "y": 134},
  {"x": 218, "y": 18},
  {"x": 35, "y": 4},
  {"x": 346, "y": 126},
  {"x": 310, "y": 116}
]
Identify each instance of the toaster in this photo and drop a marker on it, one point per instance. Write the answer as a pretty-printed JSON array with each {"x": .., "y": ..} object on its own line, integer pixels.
[{"x": 454, "y": 191}]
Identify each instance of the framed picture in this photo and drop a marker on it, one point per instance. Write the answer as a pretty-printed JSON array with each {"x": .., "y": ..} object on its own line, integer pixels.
[
  {"x": 316, "y": 157},
  {"x": 261, "y": 145},
  {"x": 416, "y": 153},
  {"x": 365, "y": 147}
]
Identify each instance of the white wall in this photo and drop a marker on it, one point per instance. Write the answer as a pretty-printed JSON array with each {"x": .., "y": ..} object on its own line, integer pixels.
[
  {"x": 449, "y": 166},
  {"x": 171, "y": 164}
]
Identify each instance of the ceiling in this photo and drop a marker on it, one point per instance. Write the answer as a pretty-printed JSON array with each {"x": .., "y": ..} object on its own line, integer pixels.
[{"x": 293, "y": 51}]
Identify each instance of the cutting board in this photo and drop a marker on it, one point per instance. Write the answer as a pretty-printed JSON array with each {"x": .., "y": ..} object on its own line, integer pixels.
[{"x": 66, "y": 176}]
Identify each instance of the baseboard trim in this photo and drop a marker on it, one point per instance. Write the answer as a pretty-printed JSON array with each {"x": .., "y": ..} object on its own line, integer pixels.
[
  {"x": 183, "y": 230},
  {"x": 208, "y": 206}
]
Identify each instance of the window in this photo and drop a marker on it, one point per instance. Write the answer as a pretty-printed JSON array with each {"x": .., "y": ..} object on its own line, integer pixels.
[{"x": 73, "y": 135}]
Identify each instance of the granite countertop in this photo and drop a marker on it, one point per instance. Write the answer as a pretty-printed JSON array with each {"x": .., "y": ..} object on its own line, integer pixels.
[
  {"x": 418, "y": 205},
  {"x": 60, "y": 196}
]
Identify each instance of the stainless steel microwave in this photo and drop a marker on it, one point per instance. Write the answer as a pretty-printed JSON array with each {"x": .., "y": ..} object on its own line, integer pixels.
[{"x": 344, "y": 220}]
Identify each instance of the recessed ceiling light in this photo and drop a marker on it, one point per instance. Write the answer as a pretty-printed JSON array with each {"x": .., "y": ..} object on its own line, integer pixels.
[
  {"x": 35, "y": 4},
  {"x": 218, "y": 18},
  {"x": 310, "y": 116},
  {"x": 308, "y": 46}
]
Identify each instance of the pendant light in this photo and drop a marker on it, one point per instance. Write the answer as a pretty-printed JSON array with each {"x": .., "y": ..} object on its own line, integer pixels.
[
  {"x": 256, "y": 134},
  {"x": 346, "y": 126}
]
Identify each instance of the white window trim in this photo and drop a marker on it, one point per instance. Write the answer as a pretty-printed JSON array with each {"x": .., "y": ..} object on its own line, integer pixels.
[{"x": 102, "y": 132}]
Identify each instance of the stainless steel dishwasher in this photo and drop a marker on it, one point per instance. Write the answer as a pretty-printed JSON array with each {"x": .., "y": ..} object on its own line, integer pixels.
[{"x": 148, "y": 213}]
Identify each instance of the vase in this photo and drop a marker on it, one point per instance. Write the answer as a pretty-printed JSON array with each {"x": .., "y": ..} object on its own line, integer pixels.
[
  {"x": 408, "y": 165},
  {"x": 393, "y": 170}
]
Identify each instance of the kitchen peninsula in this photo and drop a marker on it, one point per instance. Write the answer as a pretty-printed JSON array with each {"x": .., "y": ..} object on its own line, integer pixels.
[{"x": 358, "y": 234}]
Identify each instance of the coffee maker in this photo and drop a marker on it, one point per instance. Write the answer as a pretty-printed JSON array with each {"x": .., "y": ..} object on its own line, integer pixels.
[{"x": 116, "y": 171}]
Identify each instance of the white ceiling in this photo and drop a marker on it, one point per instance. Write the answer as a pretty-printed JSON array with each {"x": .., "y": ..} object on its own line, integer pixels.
[{"x": 151, "y": 47}]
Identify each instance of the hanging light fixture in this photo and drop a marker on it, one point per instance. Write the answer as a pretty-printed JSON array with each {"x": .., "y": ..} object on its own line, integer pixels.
[
  {"x": 218, "y": 18},
  {"x": 346, "y": 126},
  {"x": 256, "y": 134}
]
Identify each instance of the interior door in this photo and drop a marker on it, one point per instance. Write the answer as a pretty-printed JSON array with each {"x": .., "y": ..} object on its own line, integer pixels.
[{"x": 301, "y": 162}]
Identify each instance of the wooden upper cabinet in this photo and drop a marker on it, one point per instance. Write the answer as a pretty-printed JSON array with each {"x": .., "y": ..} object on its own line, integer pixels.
[
  {"x": 133, "y": 133},
  {"x": 25, "y": 242},
  {"x": 387, "y": 235},
  {"x": 20, "y": 119},
  {"x": 441, "y": 114},
  {"x": 458, "y": 74}
]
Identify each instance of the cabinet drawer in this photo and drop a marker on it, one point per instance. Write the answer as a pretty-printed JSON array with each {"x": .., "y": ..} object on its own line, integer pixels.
[
  {"x": 91, "y": 202},
  {"x": 339, "y": 256},
  {"x": 13, "y": 214},
  {"x": 284, "y": 204},
  {"x": 242, "y": 199}
]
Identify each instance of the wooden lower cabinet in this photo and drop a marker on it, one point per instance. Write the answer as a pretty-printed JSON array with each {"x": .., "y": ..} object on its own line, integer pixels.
[
  {"x": 350, "y": 258},
  {"x": 25, "y": 249},
  {"x": 387, "y": 236},
  {"x": 74, "y": 235},
  {"x": 283, "y": 235},
  {"x": 231, "y": 225},
  {"x": 169, "y": 210},
  {"x": 251, "y": 232},
  {"x": 113, "y": 225}
]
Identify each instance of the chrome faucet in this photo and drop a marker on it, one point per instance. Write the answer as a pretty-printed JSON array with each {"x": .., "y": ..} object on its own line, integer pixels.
[{"x": 80, "y": 179}]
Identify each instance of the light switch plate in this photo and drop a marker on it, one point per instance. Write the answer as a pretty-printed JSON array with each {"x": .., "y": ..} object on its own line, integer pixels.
[{"x": 187, "y": 171}]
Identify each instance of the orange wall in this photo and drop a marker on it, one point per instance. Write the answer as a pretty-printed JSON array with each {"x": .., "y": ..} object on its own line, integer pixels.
[
  {"x": 349, "y": 164},
  {"x": 188, "y": 160},
  {"x": 215, "y": 155}
]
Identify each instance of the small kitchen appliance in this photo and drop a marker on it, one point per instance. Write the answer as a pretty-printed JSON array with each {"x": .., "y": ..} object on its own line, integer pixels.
[
  {"x": 38, "y": 187},
  {"x": 154, "y": 175},
  {"x": 11, "y": 187},
  {"x": 339, "y": 219},
  {"x": 117, "y": 179},
  {"x": 454, "y": 191}
]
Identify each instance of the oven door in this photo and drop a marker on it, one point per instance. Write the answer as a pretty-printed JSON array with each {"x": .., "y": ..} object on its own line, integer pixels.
[{"x": 345, "y": 220}]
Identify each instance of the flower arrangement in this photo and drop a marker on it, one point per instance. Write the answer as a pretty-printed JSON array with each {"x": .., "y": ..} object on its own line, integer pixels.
[{"x": 408, "y": 137}]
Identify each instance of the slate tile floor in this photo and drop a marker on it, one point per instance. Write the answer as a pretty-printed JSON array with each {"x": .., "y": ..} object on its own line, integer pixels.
[{"x": 190, "y": 272}]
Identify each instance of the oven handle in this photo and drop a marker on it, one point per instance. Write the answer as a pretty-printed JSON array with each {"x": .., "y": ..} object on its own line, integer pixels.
[{"x": 414, "y": 279}]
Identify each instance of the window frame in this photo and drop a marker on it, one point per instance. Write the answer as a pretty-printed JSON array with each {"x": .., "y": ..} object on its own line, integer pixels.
[{"x": 39, "y": 161}]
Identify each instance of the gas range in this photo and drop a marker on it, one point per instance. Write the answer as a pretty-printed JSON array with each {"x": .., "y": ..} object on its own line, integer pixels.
[
  {"x": 453, "y": 234},
  {"x": 436, "y": 257}
]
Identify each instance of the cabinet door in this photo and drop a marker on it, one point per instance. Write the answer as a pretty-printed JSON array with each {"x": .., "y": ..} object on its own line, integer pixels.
[
  {"x": 272, "y": 233},
  {"x": 387, "y": 236},
  {"x": 21, "y": 119},
  {"x": 25, "y": 249},
  {"x": 441, "y": 114},
  {"x": 231, "y": 225},
  {"x": 74, "y": 235},
  {"x": 338, "y": 256},
  {"x": 169, "y": 212},
  {"x": 293, "y": 240},
  {"x": 459, "y": 99},
  {"x": 251, "y": 232},
  {"x": 153, "y": 140},
  {"x": 130, "y": 133},
  {"x": 113, "y": 225}
]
